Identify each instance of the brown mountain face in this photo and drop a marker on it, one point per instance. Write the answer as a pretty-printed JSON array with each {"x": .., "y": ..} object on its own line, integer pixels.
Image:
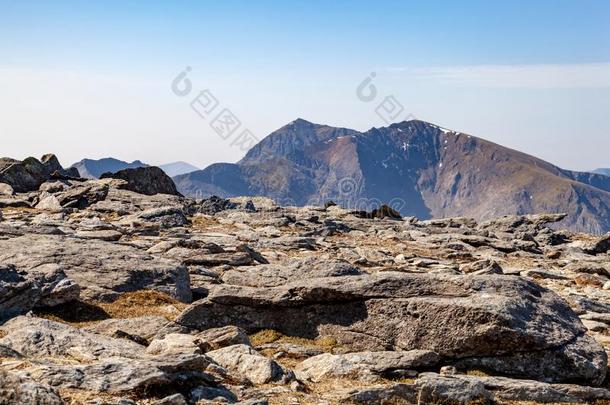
[{"x": 417, "y": 167}]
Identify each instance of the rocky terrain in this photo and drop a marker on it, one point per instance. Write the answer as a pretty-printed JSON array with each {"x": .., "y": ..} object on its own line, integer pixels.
[
  {"x": 419, "y": 168},
  {"x": 112, "y": 296}
]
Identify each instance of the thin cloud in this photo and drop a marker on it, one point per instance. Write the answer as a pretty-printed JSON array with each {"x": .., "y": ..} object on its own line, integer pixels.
[{"x": 566, "y": 76}]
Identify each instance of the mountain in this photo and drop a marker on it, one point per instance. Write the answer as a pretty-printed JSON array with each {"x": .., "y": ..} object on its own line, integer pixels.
[
  {"x": 93, "y": 169},
  {"x": 419, "y": 168},
  {"x": 605, "y": 172},
  {"x": 178, "y": 168}
]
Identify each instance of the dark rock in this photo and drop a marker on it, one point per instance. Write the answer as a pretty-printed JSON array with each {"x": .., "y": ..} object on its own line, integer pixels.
[
  {"x": 29, "y": 174},
  {"x": 214, "y": 204},
  {"x": 384, "y": 211},
  {"x": 145, "y": 180},
  {"x": 41, "y": 286}
]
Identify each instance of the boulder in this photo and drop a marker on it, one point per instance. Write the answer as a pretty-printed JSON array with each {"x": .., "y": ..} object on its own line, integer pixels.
[
  {"x": 29, "y": 174},
  {"x": 248, "y": 363},
  {"x": 38, "y": 338},
  {"x": 103, "y": 270},
  {"x": 526, "y": 329},
  {"x": 6, "y": 190},
  {"x": 217, "y": 338},
  {"x": 214, "y": 204},
  {"x": 174, "y": 344},
  {"x": 363, "y": 365},
  {"x": 125, "y": 376},
  {"x": 40, "y": 286},
  {"x": 599, "y": 246},
  {"x": 145, "y": 328},
  {"x": 16, "y": 388},
  {"x": 145, "y": 180}
]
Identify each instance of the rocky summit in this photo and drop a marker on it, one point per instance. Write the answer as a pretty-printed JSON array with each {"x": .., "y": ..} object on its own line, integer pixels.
[{"x": 122, "y": 291}]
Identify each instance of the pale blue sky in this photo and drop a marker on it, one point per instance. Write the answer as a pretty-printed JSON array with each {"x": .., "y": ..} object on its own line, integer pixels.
[{"x": 93, "y": 80}]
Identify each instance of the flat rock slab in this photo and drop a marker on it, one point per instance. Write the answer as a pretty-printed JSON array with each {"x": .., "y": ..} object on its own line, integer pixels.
[
  {"x": 363, "y": 364},
  {"x": 120, "y": 375},
  {"x": 39, "y": 338},
  {"x": 528, "y": 330},
  {"x": 102, "y": 269}
]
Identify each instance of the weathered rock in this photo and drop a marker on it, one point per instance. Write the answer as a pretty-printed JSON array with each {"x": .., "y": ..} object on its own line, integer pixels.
[
  {"x": 500, "y": 317},
  {"x": 248, "y": 363},
  {"x": 102, "y": 269},
  {"x": 120, "y": 375},
  {"x": 36, "y": 337},
  {"x": 462, "y": 388},
  {"x": 107, "y": 235},
  {"x": 29, "y": 174},
  {"x": 145, "y": 327},
  {"x": 145, "y": 180},
  {"x": 383, "y": 211},
  {"x": 176, "y": 344},
  {"x": 275, "y": 275},
  {"x": 43, "y": 285},
  {"x": 218, "y": 338},
  {"x": 16, "y": 388},
  {"x": 165, "y": 217},
  {"x": 486, "y": 266},
  {"x": 6, "y": 190},
  {"x": 214, "y": 204},
  {"x": 600, "y": 246},
  {"x": 363, "y": 365}
]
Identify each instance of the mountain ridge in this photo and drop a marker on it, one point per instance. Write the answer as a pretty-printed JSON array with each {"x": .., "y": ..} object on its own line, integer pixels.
[{"x": 424, "y": 169}]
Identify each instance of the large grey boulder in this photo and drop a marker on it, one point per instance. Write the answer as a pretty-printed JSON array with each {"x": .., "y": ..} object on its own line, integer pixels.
[
  {"x": 527, "y": 330},
  {"x": 38, "y": 338},
  {"x": 42, "y": 286},
  {"x": 145, "y": 180},
  {"x": 103, "y": 270}
]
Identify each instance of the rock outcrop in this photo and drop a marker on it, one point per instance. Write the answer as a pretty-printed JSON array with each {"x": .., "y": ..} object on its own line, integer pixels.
[
  {"x": 145, "y": 180},
  {"x": 504, "y": 324},
  {"x": 29, "y": 174}
]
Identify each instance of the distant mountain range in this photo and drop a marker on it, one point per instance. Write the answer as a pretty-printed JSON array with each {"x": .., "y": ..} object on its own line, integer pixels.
[
  {"x": 418, "y": 167},
  {"x": 93, "y": 169},
  {"x": 178, "y": 168},
  {"x": 605, "y": 172}
]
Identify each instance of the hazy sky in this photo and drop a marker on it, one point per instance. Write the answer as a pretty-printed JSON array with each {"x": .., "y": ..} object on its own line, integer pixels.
[{"x": 94, "y": 80}]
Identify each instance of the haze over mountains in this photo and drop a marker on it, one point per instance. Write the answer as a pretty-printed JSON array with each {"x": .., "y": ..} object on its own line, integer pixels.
[
  {"x": 605, "y": 172},
  {"x": 419, "y": 168},
  {"x": 93, "y": 169}
]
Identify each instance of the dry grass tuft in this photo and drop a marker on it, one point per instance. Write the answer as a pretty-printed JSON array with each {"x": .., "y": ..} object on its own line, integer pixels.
[
  {"x": 264, "y": 336},
  {"x": 144, "y": 303},
  {"x": 78, "y": 397},
  {"x": 129, "y": 305},
  {"x": 475, "y": 372},
  {"x": 326, "y": 343}
]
